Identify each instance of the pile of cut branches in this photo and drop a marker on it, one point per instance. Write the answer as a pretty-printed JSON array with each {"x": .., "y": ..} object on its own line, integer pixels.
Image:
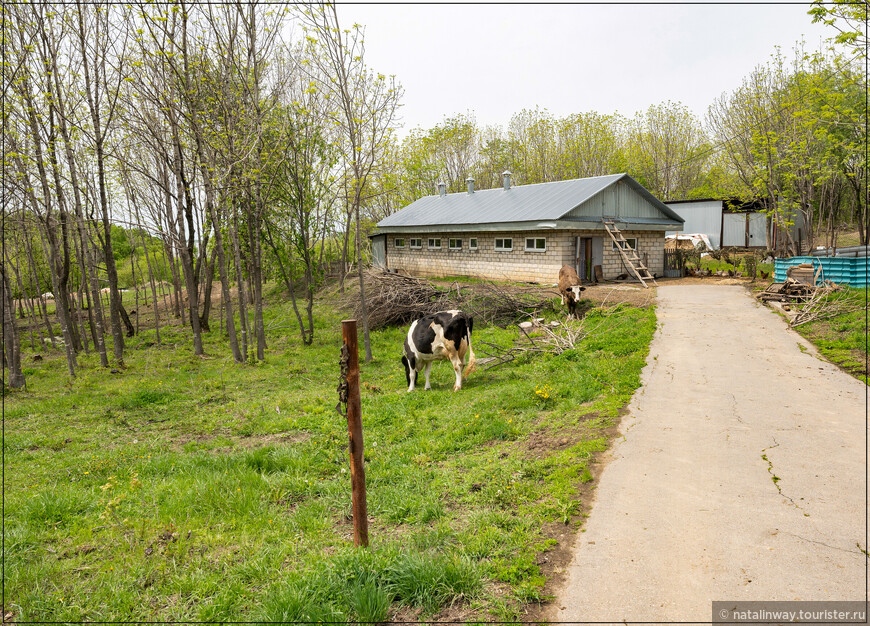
[
  {"x": 826, "y": 302},
  {"x": 536, "y": 338},
  {"x": 803, "y": 303},
  {"x": 539, "y": 337},
  {"x": 499, "y": 305},
  {"x": 396, "y": 299}
]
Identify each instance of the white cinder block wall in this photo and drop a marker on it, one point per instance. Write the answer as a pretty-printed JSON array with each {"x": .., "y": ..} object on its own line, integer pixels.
[
  {"x": 650, "y": 247},
  {"x": 517, "y": 264}
]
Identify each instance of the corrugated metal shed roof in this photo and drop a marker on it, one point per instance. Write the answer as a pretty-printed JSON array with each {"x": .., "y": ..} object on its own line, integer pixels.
[{"x": 522, "y": 203}]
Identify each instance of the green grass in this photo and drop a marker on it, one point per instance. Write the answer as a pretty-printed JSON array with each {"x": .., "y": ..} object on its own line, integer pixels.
[
  {"x": 714, "y": 265},
  {"x": 188, "y": 488},
  {"x": 843, "y": 339}
]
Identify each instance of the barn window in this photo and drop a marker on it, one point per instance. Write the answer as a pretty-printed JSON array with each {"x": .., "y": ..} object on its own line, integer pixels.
[
  {"x": 536, "y": 244},
  {"x": 434, "y": 243},
  {"x": 504, "y": 245},
  {"x": 472, "y": 244},
  {"x": 400, "y": 243},
  {"x": 455, "y": 244},
  {"x": 416, "y": 243},
  {"x": 631, "y": 241}
]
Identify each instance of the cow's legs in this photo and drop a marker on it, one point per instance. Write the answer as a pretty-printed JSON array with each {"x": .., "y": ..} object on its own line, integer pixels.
[
  {"x": 412, "y": 374},
  {"x": 457, "y": 367},
  {"x": 428, "y": 368}
]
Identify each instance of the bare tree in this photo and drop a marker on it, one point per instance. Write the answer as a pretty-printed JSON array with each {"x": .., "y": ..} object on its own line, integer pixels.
[
  {"x": 11, "y": 341},
  {"x": 97, "y": 34},
  {"x": 368, "y": 104}
]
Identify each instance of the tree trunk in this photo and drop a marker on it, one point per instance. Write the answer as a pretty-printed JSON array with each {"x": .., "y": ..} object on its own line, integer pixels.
[
  {"x": 307, "y": 334},
  {"x": 126, "y": 319},
  {"x": 206, "y": 303},
  {"x": 80, "y": 290},
  {"x": 11, "y": 341},
  {"x": 150, "y": 278},
  {"x": 243, "y": 309},
  {"x": 362, "y": 287},
  {"x": 31, "y": 310},
  {"x": 60, "y": 310},
  {"x": 256, "y": 273},
  {"x": 96, "y": 303},
  {"x": 184, "y": 215}
]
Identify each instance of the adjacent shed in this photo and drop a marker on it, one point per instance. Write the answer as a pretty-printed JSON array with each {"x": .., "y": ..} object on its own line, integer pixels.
[
  {"x": 733, "y": 223},
  {"x": 526, "y": 232}
]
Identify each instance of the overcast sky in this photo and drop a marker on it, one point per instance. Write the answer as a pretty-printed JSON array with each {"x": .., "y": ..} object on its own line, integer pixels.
[{"x": 495, "y": 60}]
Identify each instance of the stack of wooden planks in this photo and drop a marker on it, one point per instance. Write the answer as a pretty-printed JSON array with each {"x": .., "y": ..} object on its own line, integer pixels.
[{"x": 790, "y": 291}]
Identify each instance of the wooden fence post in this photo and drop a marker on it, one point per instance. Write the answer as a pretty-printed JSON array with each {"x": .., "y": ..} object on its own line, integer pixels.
[{"x": 350, "y": 357}]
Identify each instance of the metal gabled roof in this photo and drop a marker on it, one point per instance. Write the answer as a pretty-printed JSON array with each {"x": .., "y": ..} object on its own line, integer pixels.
[{"x": 522, "y": 203}]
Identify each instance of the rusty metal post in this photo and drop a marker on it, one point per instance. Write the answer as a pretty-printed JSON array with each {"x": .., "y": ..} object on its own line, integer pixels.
[{"x": 354, "y": 431}]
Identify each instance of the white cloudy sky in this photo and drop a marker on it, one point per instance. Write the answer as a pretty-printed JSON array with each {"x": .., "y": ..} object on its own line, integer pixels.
[{"x": 495, "y": 60}]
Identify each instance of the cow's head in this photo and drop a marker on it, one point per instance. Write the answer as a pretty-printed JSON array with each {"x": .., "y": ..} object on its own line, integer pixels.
[{"x": 575, "y": 291}]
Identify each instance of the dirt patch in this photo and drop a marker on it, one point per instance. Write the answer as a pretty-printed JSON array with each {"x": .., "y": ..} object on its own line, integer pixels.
[
  {"x": 711, "y": 280},
  {"x": 542, "y": 443},
  {"x": 240, "y": 443},
  {"x": 613, "y": 293},
  {"x": 407, "y": 614},
  {"x": 259, "y": 441}
]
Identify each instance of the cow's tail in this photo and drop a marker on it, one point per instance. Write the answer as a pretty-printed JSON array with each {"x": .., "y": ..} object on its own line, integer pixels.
[{"x": 472, "y": 361}]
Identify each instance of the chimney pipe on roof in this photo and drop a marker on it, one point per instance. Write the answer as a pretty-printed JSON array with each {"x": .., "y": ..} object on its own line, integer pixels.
[
  {"x": 507, "y": 180},
  {"x": 442, "y": 189},
  {"x": 470, "y": 183}
]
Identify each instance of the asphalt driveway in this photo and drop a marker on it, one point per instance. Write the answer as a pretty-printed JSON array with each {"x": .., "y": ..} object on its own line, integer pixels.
[{"x": 741, "y": 475}]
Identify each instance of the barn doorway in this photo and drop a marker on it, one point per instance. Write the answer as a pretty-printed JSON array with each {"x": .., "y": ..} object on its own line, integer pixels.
[
  {"x": 379, "y": 251},
  {"x": 590, "y": 251},
  {"x": 586, "y": 259}
]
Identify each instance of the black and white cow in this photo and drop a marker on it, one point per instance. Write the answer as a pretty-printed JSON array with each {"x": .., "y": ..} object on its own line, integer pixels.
[
  {"x": 443, "y": 335},
  {"x": 569, "y": 289}
]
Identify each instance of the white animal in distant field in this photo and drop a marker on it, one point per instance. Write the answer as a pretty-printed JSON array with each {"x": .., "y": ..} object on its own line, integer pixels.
[{"x": 48, "y": 296}]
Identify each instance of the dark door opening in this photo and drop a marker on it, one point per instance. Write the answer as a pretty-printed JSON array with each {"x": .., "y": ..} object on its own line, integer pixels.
[{"x": 586, "y": 260}]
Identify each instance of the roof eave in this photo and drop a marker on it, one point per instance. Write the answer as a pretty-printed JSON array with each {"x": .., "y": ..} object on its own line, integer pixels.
[{"x": 536, "y": 225}]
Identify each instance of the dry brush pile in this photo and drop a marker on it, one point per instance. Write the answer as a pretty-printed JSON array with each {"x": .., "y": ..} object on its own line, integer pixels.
[
  {"x": 397, "y": 299},
  {"x": 804, "y": 303}
]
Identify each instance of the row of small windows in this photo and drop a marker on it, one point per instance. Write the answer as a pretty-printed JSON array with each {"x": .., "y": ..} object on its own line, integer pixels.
[{"x": 502, "y": 244}]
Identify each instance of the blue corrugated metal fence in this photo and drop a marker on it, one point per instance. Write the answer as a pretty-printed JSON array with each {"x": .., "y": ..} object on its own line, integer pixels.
[{"x": 843, "y": 271}]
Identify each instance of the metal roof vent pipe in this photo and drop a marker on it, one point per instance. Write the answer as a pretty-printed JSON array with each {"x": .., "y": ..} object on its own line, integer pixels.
[
  {"x": 507, "y": 180},
  {"x": 470, "y": 183},
  {"x": 442, "y": 189}
]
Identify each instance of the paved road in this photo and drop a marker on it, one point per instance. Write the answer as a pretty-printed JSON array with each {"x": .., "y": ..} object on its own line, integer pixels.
[{"x": 687, "y": 510}]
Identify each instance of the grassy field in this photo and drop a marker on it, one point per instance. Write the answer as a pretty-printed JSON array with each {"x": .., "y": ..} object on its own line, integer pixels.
[
  {"x": 843, "y": 339},
  {"x": 187, "y": 488},
  {"x": 714, "y": 265}
]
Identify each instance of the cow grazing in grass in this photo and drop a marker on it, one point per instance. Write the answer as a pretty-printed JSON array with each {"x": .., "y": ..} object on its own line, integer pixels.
[
  {"x": 569, "y": 288},
  {"x": 443, "y": 335}
]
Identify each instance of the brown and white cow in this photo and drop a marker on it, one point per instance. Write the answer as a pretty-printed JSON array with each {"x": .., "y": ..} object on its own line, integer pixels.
[
  {"x": 569, "y": 288},
  {"x": 443, "y": 335}
]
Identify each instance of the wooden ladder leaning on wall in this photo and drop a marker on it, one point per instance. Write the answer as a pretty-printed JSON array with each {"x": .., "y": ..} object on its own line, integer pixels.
[{"x": 630, "y": 256}]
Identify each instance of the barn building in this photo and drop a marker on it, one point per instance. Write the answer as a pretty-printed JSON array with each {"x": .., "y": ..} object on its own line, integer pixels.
[{"x": 526, "y": 232}]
